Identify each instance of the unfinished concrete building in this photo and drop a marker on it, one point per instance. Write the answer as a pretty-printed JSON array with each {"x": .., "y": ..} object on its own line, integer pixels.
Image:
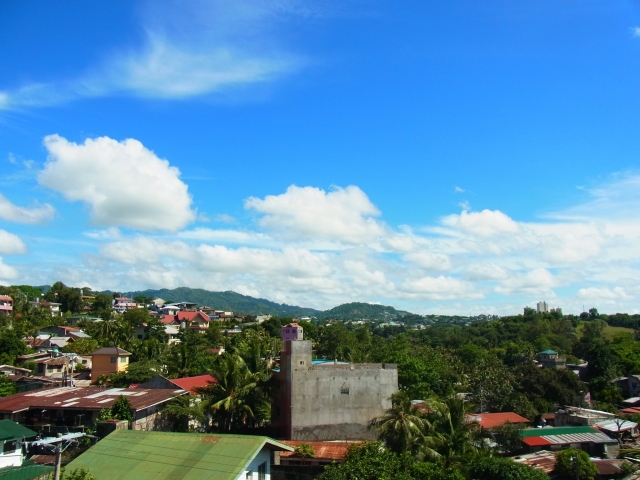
[{"x": 321, "y": 400}]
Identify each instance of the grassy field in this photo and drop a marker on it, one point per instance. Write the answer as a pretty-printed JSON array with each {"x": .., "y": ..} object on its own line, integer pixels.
[{"x": 609, "y": 331}]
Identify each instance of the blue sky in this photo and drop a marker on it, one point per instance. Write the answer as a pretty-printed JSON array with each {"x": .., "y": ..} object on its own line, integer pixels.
[{"x": 444, "y": 158}]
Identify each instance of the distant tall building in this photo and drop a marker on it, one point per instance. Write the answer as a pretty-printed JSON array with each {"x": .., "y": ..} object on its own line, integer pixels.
[
  {"x": 557, "y": 309},
  {"x": 543, "y": 307}
]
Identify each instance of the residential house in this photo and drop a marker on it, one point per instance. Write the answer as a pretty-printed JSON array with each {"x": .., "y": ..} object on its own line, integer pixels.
[
  {"x": 53, "y": 307},
  {"x": 6, "y": 305},
  {"x": 171, "y": 331},
  {"x": 73, "y": 321},
  {"x": 589, "y": 439},
  {"x": 63, "y": 331},
  {"x": 575, "y": 416},
  {"x": 191, "y": 320},
  {"x": 551, "y": 359},
  {"x": 11, "y": 370},
  {"x": 324, "y": 453},
  {"x": 263, "y": 318},
  {"x": 493, "y": 420},
  {"x": 79, "y": 407},
  {"x": 187, "y": 456},
  {"x": 291, "y": 331},
  {"x": 190, "y": 384},
  {"x": 170, "y": 310},
  {"x": 53, "y": 343},
  {"x": 108, "y": 360},
  {"x": 12, "y": 436},
  {"x": 122, "y": 304}
]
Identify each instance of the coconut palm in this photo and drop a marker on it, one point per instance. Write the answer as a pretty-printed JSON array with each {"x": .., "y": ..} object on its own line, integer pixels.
[
  {"x": 402, "y": 427},
  {"x": 228, "y": 397}
]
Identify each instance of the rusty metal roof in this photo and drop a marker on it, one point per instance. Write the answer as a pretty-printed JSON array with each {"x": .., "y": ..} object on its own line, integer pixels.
[
  {"x": 322, "y": 450},
  {"x": 85, "y": 398}
]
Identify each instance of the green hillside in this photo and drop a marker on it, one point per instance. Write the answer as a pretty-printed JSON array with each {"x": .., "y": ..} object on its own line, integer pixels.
[
  {"x": 229, "y": 301},
  {"x": 362, "y": 311}
]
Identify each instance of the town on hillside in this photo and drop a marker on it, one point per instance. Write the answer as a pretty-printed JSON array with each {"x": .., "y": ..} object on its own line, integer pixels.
[{"x": 99, "y": 385}]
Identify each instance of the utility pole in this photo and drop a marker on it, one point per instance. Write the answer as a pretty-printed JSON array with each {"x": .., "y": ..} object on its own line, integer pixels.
[{"x": 57, "y": 442}]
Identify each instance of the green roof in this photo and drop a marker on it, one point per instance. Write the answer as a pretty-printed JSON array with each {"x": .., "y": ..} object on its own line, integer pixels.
[
  {"x": 138, "y": 455},
  {"x": 550, "y": 352},
  {"x": 543, "y": 432},
  {"x": 10, "y": 430},
  {"x": 25, "y": 472}
]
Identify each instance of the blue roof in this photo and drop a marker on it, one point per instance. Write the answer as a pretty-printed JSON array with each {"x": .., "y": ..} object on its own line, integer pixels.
[{"x": 550, "y": 352}]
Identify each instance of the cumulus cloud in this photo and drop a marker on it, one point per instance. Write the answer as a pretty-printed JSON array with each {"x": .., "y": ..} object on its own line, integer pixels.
[
  {"x": 440, "y": 288},
  {"x": 596, "y": 293},
  {"x": 429, "y": 260},
  {"x": 124, "y": 183},
  {"x": 34, "y": 215},
  {"x": 7, "y": 273},
  {"x": 536, "y": 281},
  {"x": 11, "y": 244},
  {"x": 343, "y": 214},
  {"x": 485, "y": 223}
]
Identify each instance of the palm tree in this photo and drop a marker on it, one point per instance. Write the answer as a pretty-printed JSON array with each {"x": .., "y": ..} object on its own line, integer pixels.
[
  {"x": 401, "y": 427},
  {"x": 228, "y": 396}
]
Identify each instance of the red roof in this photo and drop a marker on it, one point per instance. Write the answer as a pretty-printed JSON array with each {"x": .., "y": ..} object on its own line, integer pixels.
[
  {"x": 491, "y": 420},
  {"x": 191, "y": 316},
  {"x": 168, "y": 319},
  {"x": 324, "y": 450},
  {"x": 191, "y": 383},
  {"x": 536, "y": 441},
  {"x": 630, "y": 410}
]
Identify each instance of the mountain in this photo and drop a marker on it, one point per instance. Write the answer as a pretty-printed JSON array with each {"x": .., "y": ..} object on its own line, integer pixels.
[
  {"x": 229, "y": 301},
  {"x": 362, "y": 311}
]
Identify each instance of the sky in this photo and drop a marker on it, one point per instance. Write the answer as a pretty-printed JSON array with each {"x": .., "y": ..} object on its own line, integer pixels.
[{"x": 458, "y": 157}]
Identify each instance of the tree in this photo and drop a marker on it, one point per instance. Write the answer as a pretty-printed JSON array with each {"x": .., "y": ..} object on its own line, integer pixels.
[
  {"x": 401, "y": 427},
  {"x": 182, "y": 410},
  {"x": 11, "y": 346},
  {"x": 82, "y": 346},
  {"x": 77, "y": 474},
  {"x": 572, "y": 464},
  {"x": 137, "y": 372},
  {"x": 507, "y": 436},
  {"x": 121, "y": 409},
  {"x": 493, "y": 468},
  {"x": 304, "y": 450},
  {"x": 593, "y": 313},
  {"x": 370, "y": 461},
  {"x": 7, "y": 387},
  {"x": 228, "y": 396}
]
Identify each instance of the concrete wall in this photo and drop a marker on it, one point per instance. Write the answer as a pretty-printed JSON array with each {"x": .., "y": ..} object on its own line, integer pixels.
[{"x": 331, "y": 401}]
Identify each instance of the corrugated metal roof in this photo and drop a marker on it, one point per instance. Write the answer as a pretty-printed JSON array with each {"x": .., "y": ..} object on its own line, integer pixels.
[
  {"x": 85, "y": 398},
  {"x": 619, "y": 426},
  {"x": 10, "y": 430},
  {"x": 25, "y": 472},
  {"x": 322, "y": 450},
  {"x": 579, "y": 438},
  {"x": 491, "y": 420},
  {"x": 111, "y": 351},
  {"x": 137, "y": 455},
  {"x": 536, "y": 441},
  {"x": 542, "y": 432}
]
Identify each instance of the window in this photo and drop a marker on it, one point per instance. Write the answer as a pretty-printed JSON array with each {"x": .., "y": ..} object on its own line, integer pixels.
[
  {"x": 114, "y": 359},
  {"x": 344, "y": 390},
  {"x": 262, "y": 471},
  {"x": 249, "y": 475},
  {"x": 123, "y": 359}
]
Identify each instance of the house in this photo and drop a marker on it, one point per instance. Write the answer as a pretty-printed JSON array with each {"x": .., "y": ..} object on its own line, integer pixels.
[
  {"x": 589, "y": 439},
  {"x": 550, "y": 359},
  {"x": 575, "y": 416},
  {"x": 493, "y": 420},
  {"x": 6, "y": 305},
  {"x": 190, "y": 384},
  {"x": 170, "y": 310},
  {"x": 54, "y": 307},
  {"x": 108, "y": 360},
  {"x": 63, "y": 331},
  {"x": 291, "y": 331},
  {"x": 53, "y": 343},
  {"x": 618, "y": 428},
  {"x": 13, "y": 435},
  {"x": 11, "y": 370},
  {"x": 328, "y": 401},
  {"x": 324, "y": 453},
  {"x": 187, "y": 456},
  {"x": 170, "y": 330},
  {"x": 191, "y": 320},
  {"x": 69, "y": 407},
  {"x": 122, "y": 304},
  {"x": 263, "y": 318},
  {"x": 73, "y": 321}
]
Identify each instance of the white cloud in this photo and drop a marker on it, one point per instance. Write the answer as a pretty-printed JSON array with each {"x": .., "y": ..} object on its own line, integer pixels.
[
  {"x": 34, "y": 215},
  {"x": 485, "y": 271},
  {"x": 231, "y": 236},
  {"x": 111, "y": 233},
  {"x": 190, "y": 49},
  {"x": 485, "y": 223},
  {"x": 635, "y": 31},
  {"x": 343, "y": 214},
  {"x": 429, "y": 260},
  {"x": 11, "y": 244},
  {"x": 440, "y": 288},
  {"x": 7, "y": 273},
  {"x": 224, "y": 218},
  {"x": 537, "y": 281},
  {"x": 596, "y": 293},
  {"x": 458, "y": 189},
  {"x": 124, "y": 183}
]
